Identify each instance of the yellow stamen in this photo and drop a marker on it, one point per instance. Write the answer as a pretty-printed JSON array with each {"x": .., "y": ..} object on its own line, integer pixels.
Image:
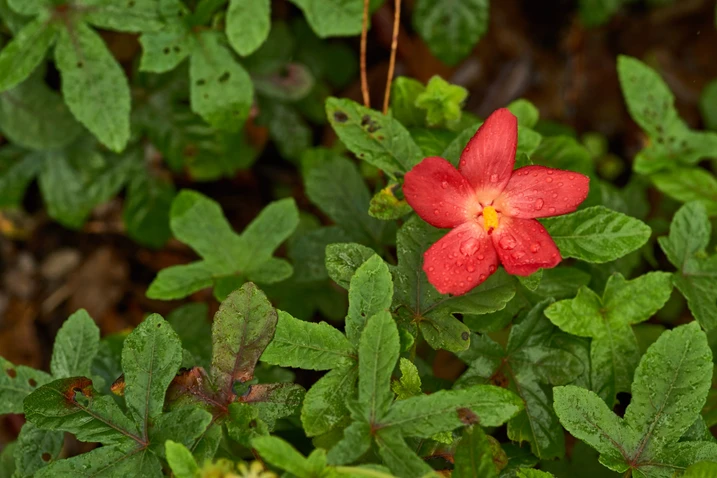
[{"x": 490, "y": 218}]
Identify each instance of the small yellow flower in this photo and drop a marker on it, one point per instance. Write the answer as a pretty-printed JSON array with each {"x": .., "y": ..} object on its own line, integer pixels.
[{"x": 254, "y": 470}]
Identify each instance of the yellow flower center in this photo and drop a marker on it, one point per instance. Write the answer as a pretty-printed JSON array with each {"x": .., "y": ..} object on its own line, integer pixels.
[{"x": 490, "y": 218}]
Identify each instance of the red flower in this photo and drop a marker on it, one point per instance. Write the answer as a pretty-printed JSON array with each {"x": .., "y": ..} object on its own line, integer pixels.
[{"x": 491, "y": 208}]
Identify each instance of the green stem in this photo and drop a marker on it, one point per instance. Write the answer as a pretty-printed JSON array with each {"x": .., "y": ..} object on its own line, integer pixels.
[{"x": 205, "y": 10}]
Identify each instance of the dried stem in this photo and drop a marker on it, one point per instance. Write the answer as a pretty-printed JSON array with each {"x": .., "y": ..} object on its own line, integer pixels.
[
  {"x": 392, "y": 61},
  {"x": 364, "y": 35}
]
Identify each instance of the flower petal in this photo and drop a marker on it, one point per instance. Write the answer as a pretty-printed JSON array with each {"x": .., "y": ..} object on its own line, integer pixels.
[
  {"x": 460, "y": 260},
  {"x": 537, "y": 191},
  {"x": 439, "y": 194},
  {"x": 488, "y": 159},
  {"x": 524, "y": 246}
]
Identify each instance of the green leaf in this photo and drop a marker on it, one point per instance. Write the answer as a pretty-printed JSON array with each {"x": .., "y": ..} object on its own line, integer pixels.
[
  {"x": 451, "y": 28},
  {"x": 404, "y": 92},
  {"x": 704, "y": 469},
  {"x": 76, "y": 345},
  {"x": 370, "y": 292},
  {"x": 696, "y": 276},
  {"x": 7, "y": 458},
  {"x": 597, "y": 12},
  {"x": 73, "y": 405},
  {"x": 689, "y": 184},
  {"x": 146, "y": 209},
  {"x": 651, "y": 105},
  {"x": 164, "y": 50},
  {"x": 229, "y": 259},
  {"x": 180, "y": 460},
  {"x": 526, "y": 112},
  {"x": 614, "y": 351},
  {"x": 325, "y": 402},
  {"x": 20, "y": 57},
  {"x": 335, "y": 185},
  {"x": 248, "y": 24},
  {"x": 531, "y": 473},
  {"x": 708, "y": 105},
  {"x": 669, "y": 390},
  {"x": 151, "y": 357},
  {"x": 529, "y": 360},
  {"x": 177, "y": 282},
  {"x": 75, "y": 180},
  {"x": 397, "y": 455},
  {"x": 425, "y": 415},
  {"x": 35, "y": 449},
  {"x": 342, "y": 261},
  {"x": 307, "y": 345},
  {"x": 378, "y": 354},
  {"x": 94, "y": 85},
  {"x": 331, "y": 18},
  {"x": 474, "y": 455},
  {"x": 35, "y": 117},
  {"x": 442, "y": 102},
  {"x": 282, "y": 455},
  {"x": 563, "y": 152},
  {"x": 106, "y": 461},
  {"x": 221, "y": 90},
  {"x": 124, "y": 15},
  {"x": 17, "y": 382},
  {"x": 597, "y": 234},
  {"x": 355, "y": 442},
  {"x": 184, "y": 424},
  {"x": 289, "y": 131},
  {"x": 386, "y": 206},
  {"x": 243, "y": 327},
  {"x": 377, "y": 139},
  {"x": 410, "y": 383},
  {"x": 274, "y": 401},
  {"x": 29, "y": 7},
  {"x": 191, "y": 325},
  {"x": 17, "y": 170}
]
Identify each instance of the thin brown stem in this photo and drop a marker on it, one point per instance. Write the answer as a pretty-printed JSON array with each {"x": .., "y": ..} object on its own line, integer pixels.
[
  {"x": 364, "y": 36},
  {"x": 392, "y": 61}
]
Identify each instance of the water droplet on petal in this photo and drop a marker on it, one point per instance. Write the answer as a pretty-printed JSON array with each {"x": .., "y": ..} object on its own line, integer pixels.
[
  {"x": 482, "y": 277},
  {"x": 548, "y": 180},
  {"x": 469, "y": 247},
  {"x": 494, "y": 178},
  {"x": 470, "y": 268},
  {"x": 507, "y": 242},
  {"x": 436, "y": 211},
  {"x": 431, "y": 269},
  {"x": 461, "y": 284},
  {"x": 491, "y": 269},
  {"x": 518, "y": 255},
  {"x": 539, "y": 204},
  {"x": 551, "y": 210},
  {"x": 550, "y": 171},
  {"x": 481, "y": 257},
  {"x": 534, "y": 248},
  {"x": 555, "y": 195},
  {"x": 444, "y": 184}
]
